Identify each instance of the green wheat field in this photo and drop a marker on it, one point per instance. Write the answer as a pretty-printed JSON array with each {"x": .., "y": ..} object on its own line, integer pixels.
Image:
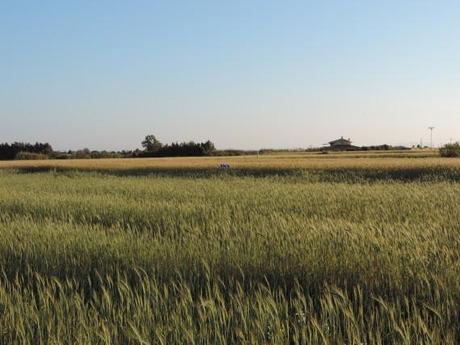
[{"x": 364, "y": 252}]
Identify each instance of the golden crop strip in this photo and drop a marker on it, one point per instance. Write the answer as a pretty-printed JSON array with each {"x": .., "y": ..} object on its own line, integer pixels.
[{"x": 378, "y": 161}]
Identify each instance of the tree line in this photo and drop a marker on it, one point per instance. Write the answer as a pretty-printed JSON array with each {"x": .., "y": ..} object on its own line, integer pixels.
[
  {"x": 15, "y": 150},
  {"x": 152, "y": 147}
]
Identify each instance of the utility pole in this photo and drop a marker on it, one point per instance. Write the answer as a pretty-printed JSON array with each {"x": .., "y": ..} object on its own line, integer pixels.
[{"x": 431, "y": 135}]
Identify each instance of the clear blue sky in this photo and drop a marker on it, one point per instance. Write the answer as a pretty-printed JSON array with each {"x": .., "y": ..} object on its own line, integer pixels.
[{"x": 245, "y": 74}]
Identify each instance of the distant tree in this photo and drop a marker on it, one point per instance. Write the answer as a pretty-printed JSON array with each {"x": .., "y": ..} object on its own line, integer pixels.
[
  {"x": 208, "y": 147},
  {"x": 151, "y": 144},
  {"x": 83, "y": 154}
]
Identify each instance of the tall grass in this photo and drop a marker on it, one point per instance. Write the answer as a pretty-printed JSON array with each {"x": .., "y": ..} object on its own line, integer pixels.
[{"x": 90, "y": 258}]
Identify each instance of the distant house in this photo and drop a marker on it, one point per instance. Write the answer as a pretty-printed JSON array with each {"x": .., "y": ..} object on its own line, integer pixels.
[{"x": 341, "y": 145}]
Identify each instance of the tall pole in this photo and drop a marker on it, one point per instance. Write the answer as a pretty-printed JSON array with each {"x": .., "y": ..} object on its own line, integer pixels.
[{"x": 431, "y": 136}]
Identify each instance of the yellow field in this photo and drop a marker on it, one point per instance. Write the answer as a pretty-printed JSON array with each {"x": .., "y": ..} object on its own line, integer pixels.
[{"x": 406, "y": 160}]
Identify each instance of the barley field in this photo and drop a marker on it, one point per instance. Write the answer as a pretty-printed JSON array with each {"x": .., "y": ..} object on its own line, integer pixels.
[
  {"x": 283, "y": 249},
  {"x": 251, "y": 164}
]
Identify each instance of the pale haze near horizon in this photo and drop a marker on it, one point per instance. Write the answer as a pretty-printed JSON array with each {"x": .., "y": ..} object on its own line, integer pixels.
[{"x": 258, "y": 74}]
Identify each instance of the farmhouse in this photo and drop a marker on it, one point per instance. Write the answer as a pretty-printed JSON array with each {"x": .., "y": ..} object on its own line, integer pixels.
[{"x": 341, "y": 145}]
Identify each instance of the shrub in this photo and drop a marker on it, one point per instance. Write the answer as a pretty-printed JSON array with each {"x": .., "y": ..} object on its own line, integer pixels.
[
  {"x": 450, "y": 150},
  {"x": 31, "y": 156},
  {"x": 232, "y": 152}
]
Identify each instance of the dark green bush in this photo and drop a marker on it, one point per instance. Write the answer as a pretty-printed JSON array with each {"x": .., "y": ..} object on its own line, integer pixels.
[
  {"x": 450, "y": 150},
  {"x": 31, "y": 156}
]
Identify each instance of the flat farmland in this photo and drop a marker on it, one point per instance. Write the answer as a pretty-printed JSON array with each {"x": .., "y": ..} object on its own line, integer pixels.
[
  {"x": 279, "y": 249},
  {"x": 374, "y": 160}
]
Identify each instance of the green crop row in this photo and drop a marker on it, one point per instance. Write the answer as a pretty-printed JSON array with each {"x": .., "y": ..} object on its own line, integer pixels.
[{"x": 88, "y": 258}]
